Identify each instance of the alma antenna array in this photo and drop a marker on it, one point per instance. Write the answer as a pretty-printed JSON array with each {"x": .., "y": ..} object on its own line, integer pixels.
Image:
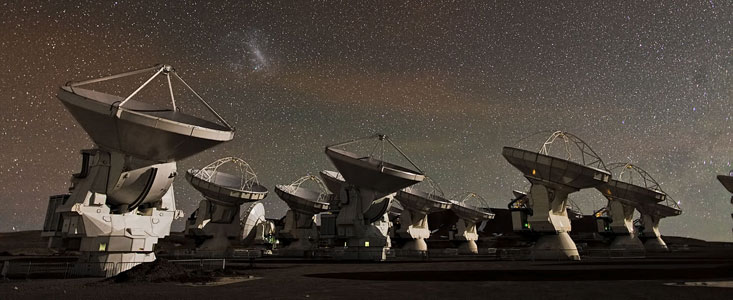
[
  {"x": 300, "y": 221},
  {"x": 417, "y": 205},
  {"x": 216, "y": 221},
  {"x": 552, "y": 179},
  {"x": 633, "y": 189},
  {"x": 365, "y": 196},
  {"x": 468, "y": 216},
  {"x": 122, "y": 202}
]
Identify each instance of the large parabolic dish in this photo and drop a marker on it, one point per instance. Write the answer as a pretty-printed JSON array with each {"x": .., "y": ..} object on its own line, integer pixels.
[
  {"x": 252, "y": 216},
  {"x": 333, "y": 180},
  {"x": 630, "y": 194},
  {"x": 303, "y": 200},
  {"x": 469, "y": 212},
  {"x": 371, "y": 172},
  {"x": 662, "y": 210},
  {"x": 422, "y": 202},
  {"x": 555, "y": 170},
  {"x": 225, "y": 188},
  {"x": 633, "y": 186},
  {"x": 638, "y": 188},
  {"x": 140, "y": 129}
]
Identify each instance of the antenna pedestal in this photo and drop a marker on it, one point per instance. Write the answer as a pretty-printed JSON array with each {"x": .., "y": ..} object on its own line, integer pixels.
[
  {"x": 627, "y": 243},
  {"x": 414, "y": 217},
  {"x": 555, "y": 247},
  {"x": 213, "y": 225},
  {"x": 466, "y": 235},
  {"x": 621, "y": 227},
  {"x": 622, "y": 218},
  {"x": 363, "y": 222},
  {"x": 468, "y": 247},
  {"x": 548, "y": 202},
  {"x": 361, "y": 219},
  {"x": 650, "y": 234},
  {"x": 655, "y": 244},
  {"x": 414, "y": 226},
  {"x": 300, "y": 227},
  {"x": 300, "y": 230},
  {"x": 468, "y": 217},
  {"x": 118, "y": 208}
]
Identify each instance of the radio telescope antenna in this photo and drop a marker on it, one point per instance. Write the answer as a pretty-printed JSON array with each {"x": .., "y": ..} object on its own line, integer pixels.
[
  {"x": 300, "y": 228},
  {"x": 129, "y": 173},
  {"x": 417, "y": 205},
  {"x": 476, "y": 212},
  {"x": 552, "y": 179},
  {"x": 367, "y": 191},
  {"x": 372, "y": 171},
  {"x": 633, "y": 188},
  {"x": 469, "y": 215},
  {"x": 216, "y": 221},
  {"x": 637, "y": 176},
  {"x": 253, "y": 216},
  {"x": 245, "y": 183}
]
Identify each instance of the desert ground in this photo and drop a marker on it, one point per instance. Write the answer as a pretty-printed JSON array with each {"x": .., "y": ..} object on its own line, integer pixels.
[{"x": 704, "y": 273}]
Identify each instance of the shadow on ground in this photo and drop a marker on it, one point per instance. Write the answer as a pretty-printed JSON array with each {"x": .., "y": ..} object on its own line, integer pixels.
[{"x": 538, "y": 275}]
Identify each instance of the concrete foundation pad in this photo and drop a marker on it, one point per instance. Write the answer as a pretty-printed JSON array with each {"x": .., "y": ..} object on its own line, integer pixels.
[
  {"x": 555, "y": 247},
  {"x": 416, "y": 245},
  {"x": 655, "y": 244}
]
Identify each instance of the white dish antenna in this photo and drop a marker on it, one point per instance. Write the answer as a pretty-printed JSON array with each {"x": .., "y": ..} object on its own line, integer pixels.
[
  {"x": 223, "y": 187},
  {"x": 578, "y": 172},
  {"x": 371, "y": 171},
  {"x": 134, "y": 127},
  {"x": 304, "y": 200},
  {"x": 471, "y": 206},
  {"x": 253, "y": 215},
  {"x": 635, "y": 187},
  {"x": 425, "y": 202}
]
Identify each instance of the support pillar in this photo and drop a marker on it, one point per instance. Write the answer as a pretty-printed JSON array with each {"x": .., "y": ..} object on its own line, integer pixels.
[{"x": 550, "y": 219}]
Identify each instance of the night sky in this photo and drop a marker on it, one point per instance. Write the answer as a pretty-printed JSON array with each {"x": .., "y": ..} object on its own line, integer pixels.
[{"x": 646, "y": 82}]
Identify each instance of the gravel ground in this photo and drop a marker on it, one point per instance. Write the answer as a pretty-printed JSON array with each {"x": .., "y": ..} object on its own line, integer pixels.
[{"x": 621, "y": 279}]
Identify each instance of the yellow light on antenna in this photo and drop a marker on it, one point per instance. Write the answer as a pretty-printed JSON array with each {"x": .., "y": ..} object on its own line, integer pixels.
[{"x": 534, "y": 172}]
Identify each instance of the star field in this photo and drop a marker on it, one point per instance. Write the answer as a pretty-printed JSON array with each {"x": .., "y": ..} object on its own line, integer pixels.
[{"x": 451, "y": 82}]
